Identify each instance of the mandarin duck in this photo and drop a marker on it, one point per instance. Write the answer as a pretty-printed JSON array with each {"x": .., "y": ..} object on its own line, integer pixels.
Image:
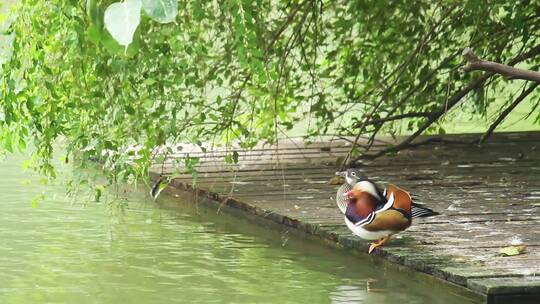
[{"x": 373, "y": 214}]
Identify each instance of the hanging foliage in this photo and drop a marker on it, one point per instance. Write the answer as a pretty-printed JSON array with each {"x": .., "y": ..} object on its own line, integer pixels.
[{"x": 246, "y": 71}]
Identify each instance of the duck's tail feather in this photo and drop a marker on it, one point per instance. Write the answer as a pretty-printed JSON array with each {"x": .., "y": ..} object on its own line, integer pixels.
[{"x": 421, "y": 211}]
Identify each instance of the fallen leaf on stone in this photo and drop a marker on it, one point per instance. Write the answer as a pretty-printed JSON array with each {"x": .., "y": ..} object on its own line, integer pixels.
[
  {"x": 336, "y": 180},
  {"x": 512, "y": 250}
]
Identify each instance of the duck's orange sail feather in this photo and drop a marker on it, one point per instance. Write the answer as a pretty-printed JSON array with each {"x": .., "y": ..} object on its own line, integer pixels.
[{"x": 402, "y": 198}]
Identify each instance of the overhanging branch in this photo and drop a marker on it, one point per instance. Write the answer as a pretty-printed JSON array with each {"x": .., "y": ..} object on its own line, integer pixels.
[
  {"x": 395, "y": 117},
  {"x": 507, "y": 111},
  {"x": 474, "y": 63},
  {"x": 451, "y": 102}
]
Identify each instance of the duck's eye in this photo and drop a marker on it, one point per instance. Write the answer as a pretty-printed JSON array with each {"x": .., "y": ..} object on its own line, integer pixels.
[{"x": 353, "y": 173}]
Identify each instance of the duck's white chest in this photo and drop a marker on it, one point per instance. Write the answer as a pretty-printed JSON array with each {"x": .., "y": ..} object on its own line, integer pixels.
[{"x": 365, "y": 234}]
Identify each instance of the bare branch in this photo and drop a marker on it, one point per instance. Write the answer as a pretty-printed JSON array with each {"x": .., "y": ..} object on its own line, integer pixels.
[
  {"x": 476, "y": 64},
  {"x": 396, "y": 117},
  {"x": 507, "y": 111},
  {"x": 436, "y": 115},
  {"x": 414, "y": 90},
  {"x": 398, "y": 72},
  {"x": 439, "y": 140},
  {"x": 284, "y": 26},
  {"x": 454, "y": 100},
  {"x": 470, "y": 56}
]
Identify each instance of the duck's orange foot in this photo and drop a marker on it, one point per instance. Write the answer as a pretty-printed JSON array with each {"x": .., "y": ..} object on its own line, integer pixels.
[
  {"x": 378, "y": 244},
  {"x": 373, "y": 246}
]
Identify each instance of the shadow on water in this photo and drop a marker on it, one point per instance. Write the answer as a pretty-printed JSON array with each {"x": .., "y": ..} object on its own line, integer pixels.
[{"x": 179, "y": 251}]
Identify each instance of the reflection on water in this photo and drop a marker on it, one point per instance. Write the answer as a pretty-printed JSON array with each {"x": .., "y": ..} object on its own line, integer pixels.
[{"x": 176, "y": 253}]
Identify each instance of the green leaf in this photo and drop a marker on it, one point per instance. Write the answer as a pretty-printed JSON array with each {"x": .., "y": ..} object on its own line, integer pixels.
[
  {"x": 122, "y": 20},
  {"x": 162, "y": 11},
  {"x": 22, "y": 144},
  {"x": 94, "y": 13},
  {"x": 94, "y": 34},
  {"x": 442, "y": 131},
  {"x": 149, "y": 81},
  {"x": 37, "y": 199},
  {"x": 8, "y": 142},
  {"x": 130, "y": 110}
]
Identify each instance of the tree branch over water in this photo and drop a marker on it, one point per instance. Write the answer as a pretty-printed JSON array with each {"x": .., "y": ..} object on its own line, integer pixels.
[
  {"x": 507, "y": 111},
  {"x": 454, "y": 100},
  {"x": 474, "y": 63},
  {"x": 243, "y": 72}
]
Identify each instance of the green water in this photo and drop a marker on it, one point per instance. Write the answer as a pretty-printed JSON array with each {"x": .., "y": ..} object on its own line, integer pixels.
[{"x": 176, "y": 251}]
